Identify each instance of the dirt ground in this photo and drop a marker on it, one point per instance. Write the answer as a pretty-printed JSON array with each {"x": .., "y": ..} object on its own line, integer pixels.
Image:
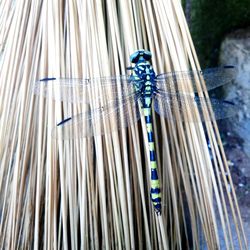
[{"x": 239, "y": 164}]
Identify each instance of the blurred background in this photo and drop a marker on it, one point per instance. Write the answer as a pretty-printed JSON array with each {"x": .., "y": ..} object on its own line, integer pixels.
[{"x": 221, "y": 34}]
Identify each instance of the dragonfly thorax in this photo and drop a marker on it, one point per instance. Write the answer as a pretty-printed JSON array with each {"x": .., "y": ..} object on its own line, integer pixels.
[
  {"x": 142, "y": 69},
  {"x": 144, "y": 78}
]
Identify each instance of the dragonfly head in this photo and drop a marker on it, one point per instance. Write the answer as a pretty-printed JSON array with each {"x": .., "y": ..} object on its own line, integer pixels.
[{"x": 140, "y": 55}]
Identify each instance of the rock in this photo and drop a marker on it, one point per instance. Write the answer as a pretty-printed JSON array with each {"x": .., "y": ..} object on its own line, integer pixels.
[{"x": 235, "y": 50}]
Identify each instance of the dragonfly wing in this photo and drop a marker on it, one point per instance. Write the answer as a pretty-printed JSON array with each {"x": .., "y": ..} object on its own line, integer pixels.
[
  {"x": 116, "y": 114},
  {"x": 179, "y": 81},
  {"x": 83, "y": 90},
  {"x": 181, "y": 107}
]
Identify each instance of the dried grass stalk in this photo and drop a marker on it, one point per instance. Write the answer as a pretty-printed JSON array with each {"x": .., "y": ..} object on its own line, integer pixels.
[{"x": 94, "y": 193}]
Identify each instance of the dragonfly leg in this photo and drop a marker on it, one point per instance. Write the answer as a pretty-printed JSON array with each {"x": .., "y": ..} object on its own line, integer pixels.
[{"x": 130, "y": 68}]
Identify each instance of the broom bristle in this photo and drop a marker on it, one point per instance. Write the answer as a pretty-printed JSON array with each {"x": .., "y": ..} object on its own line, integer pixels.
[{"x": 95, "y": 193}]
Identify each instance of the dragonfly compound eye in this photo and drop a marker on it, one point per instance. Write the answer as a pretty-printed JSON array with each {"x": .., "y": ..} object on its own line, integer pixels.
[
  {"x": 135, "y": 57},
  {"x": 145, "y": 54}
]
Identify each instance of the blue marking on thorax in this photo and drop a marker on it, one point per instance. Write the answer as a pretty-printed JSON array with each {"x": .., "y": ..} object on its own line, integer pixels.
[
  {"x": 62, "y": 122},
  {"x": 145, "y": 78}
]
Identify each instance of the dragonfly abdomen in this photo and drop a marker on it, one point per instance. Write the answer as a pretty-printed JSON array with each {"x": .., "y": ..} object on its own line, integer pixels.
[{"x": 155, "y": 191}]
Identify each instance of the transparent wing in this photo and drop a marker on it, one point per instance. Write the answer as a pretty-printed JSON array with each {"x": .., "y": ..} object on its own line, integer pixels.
[
  {"x": 178, "y": 107},
  {"x": 83, "y": 90},
  {"x": 214, "y": 77},
  {"x": 116, "y": 114}
]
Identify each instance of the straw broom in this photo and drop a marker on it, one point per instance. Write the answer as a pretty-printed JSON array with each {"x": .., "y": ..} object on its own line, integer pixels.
[{"x": 94, "y": 193}]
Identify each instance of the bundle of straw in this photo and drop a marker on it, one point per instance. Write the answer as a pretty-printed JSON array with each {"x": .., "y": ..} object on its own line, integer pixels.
[{"x": 94, "y": 193}]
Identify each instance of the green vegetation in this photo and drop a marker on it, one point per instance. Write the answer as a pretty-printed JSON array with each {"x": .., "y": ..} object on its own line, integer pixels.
[{"x": 211, "y": 21}]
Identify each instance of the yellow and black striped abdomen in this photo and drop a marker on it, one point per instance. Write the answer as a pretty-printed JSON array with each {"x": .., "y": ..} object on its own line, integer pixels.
[
  {"x": 155, "y": 183},
  {"x": 143, "y": 77}
]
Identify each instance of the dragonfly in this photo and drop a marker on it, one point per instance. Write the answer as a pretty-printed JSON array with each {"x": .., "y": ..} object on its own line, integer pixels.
[{"x": 119, "y": 101}]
